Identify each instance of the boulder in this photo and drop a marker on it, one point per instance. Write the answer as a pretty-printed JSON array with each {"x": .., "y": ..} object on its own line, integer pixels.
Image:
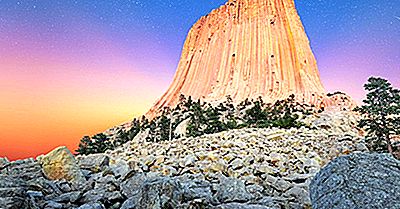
[
  {"x": 160, "y": 192},
  {"x": 92, "y": 206},
  {"x": 299, "y": 194},
  {"x": 130, "y": 203},
  {"x": 120, "y": 168},
  {"x": 131, "y": 185},
  {"x": 61, "y": 164},
  {"x": 180, "y": 130},
  {"x": 26, "y": 169},
  {"x": 53, "y": 205},
  {"x": 196, "y": 189},
  {"x": 241, "y": 206},
  {"x": 359, "y": 180},
  {"x": 94, "y": 162},
  {"x": 232, "y": 190},
  {"x": 13, "y": 193},
  {"x": 68, "y": 197},
  {"x": 3, "y": 162}
]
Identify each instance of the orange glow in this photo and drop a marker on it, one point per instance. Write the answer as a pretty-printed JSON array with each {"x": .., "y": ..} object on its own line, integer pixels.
[{"x": 41, "y": 111}]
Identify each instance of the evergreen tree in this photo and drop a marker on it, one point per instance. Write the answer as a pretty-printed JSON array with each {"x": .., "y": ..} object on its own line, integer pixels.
[
  {"x": 98, "y": 143},
  {"x": 85, "y": 146},
  {"x": 121, "y": 138},
  {"x": 152, "y": 130},
  {"x": 381, "y": 111},
  {"x": 197, "y": 119},
  {"x": 101, "y": 143},
  {"x": 189, "y": 103},
  {"x": 164, "y": 127},
  {"x": 144, "y": 123},
  {"x": 213, "y": 123},
  {"x": 137, "y": 126},
  {"x": 256, "y": 116},
  {"x": 230, "y": 120},
  {"x": 283, "y": 113}
]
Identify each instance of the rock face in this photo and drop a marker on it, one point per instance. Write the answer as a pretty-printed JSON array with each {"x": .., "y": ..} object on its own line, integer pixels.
[
  {"x": 358, "y": 181},
  {"x": 247, "y": 49}
]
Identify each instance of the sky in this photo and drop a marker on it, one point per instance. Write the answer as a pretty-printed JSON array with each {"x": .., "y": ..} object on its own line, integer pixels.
[{"x": 74, "y": 68}]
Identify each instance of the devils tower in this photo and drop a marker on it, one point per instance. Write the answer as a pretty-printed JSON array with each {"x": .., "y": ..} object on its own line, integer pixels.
[{"x": 247, "y": 49}]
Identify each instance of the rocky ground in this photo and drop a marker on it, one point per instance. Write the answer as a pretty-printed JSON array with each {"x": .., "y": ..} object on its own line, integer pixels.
[
  {"x": 246, "y": 168},
  {"x": 364, "y": 180}
]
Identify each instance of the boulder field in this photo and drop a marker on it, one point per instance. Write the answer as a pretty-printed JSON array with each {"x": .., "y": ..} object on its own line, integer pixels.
[{"x": 244, "y": 168}]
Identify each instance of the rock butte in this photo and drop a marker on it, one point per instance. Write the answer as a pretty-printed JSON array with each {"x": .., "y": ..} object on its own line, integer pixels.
[{"x": 247, "y": 49}]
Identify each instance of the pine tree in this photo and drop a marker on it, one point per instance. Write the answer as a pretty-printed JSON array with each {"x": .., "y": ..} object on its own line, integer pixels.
[
  {"x": 85, "y": 146},
  {"x": 164, "y": 127},
  {"x": 197, "y": 119},
  {"x": 135, "y": 129},
  {"x": 152, "y": 126},
  {"x": 122, "y": 137},
  {"x": 283, "y": 113},
  {"x": 213, "y": 123},
  {"x": 381, "y": 111},
  {"x": 230, "y": 119},
  {"x": 144, "y": 123},
  {"x": 101, "y": 143},
  {"x": 256, "y": 116}
]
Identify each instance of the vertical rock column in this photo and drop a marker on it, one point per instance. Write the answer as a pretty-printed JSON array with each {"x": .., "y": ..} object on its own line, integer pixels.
[{"x": 246, "y": 49}]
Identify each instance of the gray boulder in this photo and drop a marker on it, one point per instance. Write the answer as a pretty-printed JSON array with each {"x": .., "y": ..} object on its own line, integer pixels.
[
  {"x": 95, "y": 205},
  {"x": 130, "y": 203},
  {"x": 241, "y": 206},
  {"x": 359, "y": 180},
  {"x": 26, "y": 169},
  {"x": 3, "y": 162},
  {"x": 196, "y": 193},
  {"x": 159, "y": 193},
  {"x": 131, "y": 185},
  {"x": 13, "y": 193},
  {"x": 93, "y": 162},
  {"x": 120, "y": 168},
  {"x": 232, "y": 190},
  {"x": 70, "y": 197}
]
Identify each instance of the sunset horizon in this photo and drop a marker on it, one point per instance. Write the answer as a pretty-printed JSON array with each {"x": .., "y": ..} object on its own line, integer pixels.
[{"x": 79, "y": 68}]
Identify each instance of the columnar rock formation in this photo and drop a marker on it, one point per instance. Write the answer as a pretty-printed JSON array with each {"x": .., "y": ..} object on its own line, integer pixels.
[{"x": 247, "y": 49}]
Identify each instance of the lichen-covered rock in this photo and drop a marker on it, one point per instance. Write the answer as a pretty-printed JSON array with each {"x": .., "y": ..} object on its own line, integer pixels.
[
  {"x": 61, "y": 164},
  {"x": 359, "y": 180}
]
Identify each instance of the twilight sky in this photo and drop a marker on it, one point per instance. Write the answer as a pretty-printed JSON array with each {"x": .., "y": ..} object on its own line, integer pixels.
[{"x": 70, "y": 68}]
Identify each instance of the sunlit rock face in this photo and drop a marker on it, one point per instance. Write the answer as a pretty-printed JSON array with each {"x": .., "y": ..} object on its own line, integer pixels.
[{"x": 247, "y": 49}]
